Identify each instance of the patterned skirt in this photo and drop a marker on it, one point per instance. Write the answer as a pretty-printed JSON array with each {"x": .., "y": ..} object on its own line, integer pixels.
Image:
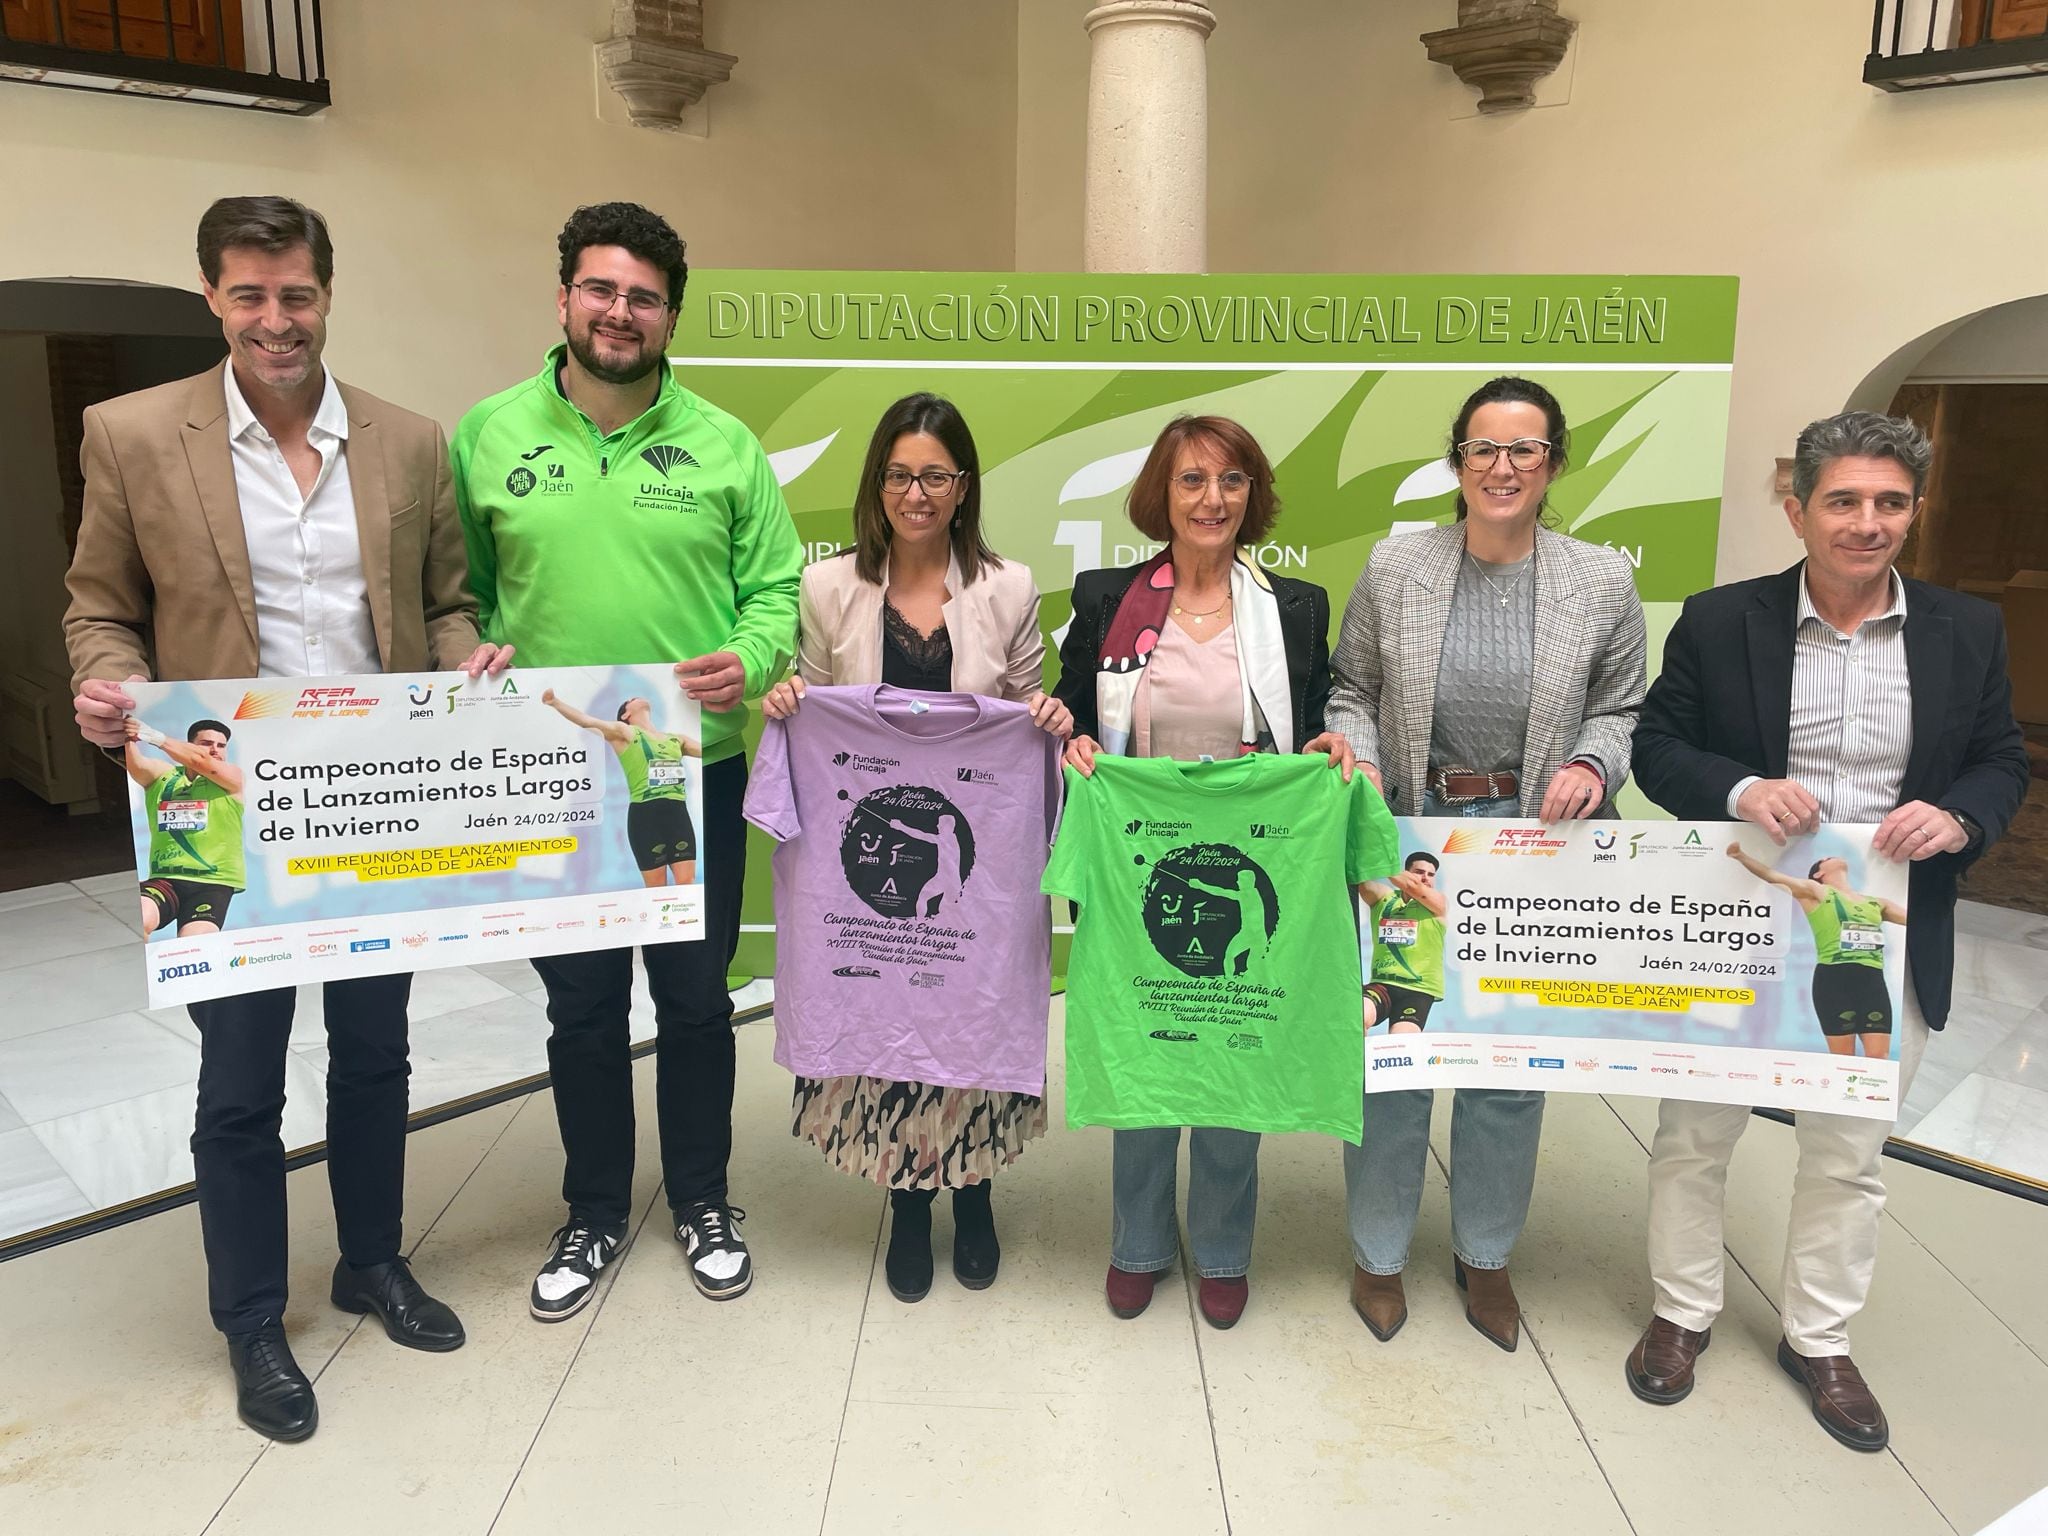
[{"x": 912, "y": 1135}]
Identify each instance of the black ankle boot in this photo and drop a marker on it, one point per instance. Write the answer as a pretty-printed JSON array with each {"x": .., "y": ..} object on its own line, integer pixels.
[
  {"x": 976, "y": 1253},
  {"x": 908, "y": 1264}
]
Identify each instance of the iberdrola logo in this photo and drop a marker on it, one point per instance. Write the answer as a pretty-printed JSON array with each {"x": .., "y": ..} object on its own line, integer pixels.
[{"x": 666, "y": 456}]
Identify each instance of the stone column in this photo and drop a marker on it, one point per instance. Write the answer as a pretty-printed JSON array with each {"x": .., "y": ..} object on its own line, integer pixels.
[{"x": 1148, "y": 136}]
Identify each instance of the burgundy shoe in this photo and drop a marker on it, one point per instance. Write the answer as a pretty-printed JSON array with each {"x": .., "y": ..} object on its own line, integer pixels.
[
  {"x": 1842, "y": 1399},
  {"x": 1222, "y": 1301},
  {"x": 1130, "y": 1294}
]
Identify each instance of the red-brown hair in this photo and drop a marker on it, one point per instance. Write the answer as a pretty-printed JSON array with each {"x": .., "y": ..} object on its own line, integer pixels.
[{"x": 1152, "y": 491}]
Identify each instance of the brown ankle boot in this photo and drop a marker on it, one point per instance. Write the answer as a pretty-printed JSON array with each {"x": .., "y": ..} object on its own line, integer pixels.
[
  {"x": 1379, "y": 1301},
  {"x": 1490, "y": 1304}
]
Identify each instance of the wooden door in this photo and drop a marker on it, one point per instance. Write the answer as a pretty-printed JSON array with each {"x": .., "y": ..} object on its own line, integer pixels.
[
  {"x": 2008, "y": 19},
  {"x": 200, "y": 31}
]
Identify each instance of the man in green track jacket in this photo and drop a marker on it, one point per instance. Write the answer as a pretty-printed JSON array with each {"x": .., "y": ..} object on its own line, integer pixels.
[{"x": 614, "y": 517}]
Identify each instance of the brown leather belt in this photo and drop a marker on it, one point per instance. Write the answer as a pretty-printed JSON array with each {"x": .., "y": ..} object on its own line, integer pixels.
[{"x": 1459, "y": 786}]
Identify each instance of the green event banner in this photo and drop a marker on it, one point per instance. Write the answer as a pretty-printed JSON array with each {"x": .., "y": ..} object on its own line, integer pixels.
[{"x": 1350, "y": 383}]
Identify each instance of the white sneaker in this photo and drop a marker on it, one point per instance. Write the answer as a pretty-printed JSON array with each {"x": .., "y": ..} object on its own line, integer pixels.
[{"x": 568, "y": 1279}]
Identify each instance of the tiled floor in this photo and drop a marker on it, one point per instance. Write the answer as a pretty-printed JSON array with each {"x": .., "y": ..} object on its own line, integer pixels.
[
  {"x": 96, "y": 1087},
  {"x": 817, "y": 1403}
]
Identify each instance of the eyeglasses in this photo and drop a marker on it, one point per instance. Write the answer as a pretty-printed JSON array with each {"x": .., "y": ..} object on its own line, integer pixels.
[
  {"x": 1232, "y": 482},
  {"x": 598, "y": 297},
  {"x": 1524, "y": 453},
  {"x": 936, "y": 482}
]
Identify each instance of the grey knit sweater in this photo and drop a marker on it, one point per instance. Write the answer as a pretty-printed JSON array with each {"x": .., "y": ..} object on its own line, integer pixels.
[{"x": 1482, "y": 683}]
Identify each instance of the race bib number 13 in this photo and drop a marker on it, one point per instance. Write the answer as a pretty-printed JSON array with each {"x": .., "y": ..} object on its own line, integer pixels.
[{"x": 181, "y": 816}]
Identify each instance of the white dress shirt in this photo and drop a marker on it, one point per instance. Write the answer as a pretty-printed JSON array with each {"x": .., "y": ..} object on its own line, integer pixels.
[
  {"x": 1852, "y": 712},
  {"x": 305, "y": 556}
]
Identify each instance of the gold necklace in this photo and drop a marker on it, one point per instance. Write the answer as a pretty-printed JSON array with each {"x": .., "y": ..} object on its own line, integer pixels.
[{"x": 1204, "y": 616}]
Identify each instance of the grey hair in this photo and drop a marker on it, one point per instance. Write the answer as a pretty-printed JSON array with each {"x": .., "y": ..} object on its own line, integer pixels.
[{"x": 1859, "y": 435}]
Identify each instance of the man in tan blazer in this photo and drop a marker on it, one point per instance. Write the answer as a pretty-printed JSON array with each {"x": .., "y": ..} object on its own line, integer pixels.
[{"x": 264, "y": 520}]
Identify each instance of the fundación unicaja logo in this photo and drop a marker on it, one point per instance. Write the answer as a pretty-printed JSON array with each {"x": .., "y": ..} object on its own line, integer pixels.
[{"x": 667, "y": 456}]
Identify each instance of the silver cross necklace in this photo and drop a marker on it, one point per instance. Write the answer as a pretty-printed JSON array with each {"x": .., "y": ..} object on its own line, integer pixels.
[{"x": 1505, "y": 594}]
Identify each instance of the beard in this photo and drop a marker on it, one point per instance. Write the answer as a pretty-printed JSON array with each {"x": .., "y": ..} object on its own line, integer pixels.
[
  {"x": 273, "y": 372},
  {"x": 583, "y": 347}
]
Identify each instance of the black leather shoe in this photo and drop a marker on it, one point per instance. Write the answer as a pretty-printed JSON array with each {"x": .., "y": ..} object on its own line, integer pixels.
[
  {"x": 411, "y": 1316},
  {"x": 271, "y": 1392}
]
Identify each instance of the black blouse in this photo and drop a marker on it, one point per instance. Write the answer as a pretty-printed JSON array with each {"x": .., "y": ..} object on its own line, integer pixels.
[{"x": 912, "y": 660}]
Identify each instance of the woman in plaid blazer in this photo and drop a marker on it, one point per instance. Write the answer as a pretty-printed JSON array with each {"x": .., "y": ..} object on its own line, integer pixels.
[{"x": 1490, "y": 667}]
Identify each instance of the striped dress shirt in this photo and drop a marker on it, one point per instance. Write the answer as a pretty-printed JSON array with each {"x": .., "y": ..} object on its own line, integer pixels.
[{"x": 1852, "y": 712}]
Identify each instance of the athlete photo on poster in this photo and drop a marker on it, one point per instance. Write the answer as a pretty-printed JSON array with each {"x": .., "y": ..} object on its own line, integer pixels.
[
  {"x": 659, "y": 828},
  {"x": 1408, "y": 952},
  {"x": 305, "y": 829},
  {"x": 192, "y": 798},
  {"x": 1685, "y": 960}
]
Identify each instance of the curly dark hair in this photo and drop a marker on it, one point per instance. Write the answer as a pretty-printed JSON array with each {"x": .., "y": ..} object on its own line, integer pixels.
[{"x": 628, "y": 225}]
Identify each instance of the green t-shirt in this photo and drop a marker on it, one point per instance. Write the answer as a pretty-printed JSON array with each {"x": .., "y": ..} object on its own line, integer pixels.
[
  {"x": 667, "y": 539},
  {"x": 654, "y": 768},
  {"x": 1214, "y": 977},
  {"x": 1848, "y": 930},
  {"x": 1408, "y": 948},
  {"x": 195, "y": 830}
]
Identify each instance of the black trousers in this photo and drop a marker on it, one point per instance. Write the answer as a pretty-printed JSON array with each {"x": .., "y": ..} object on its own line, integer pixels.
[
  {"x": 589, "y": 996},
  {"x": 238, "y": 1156}
]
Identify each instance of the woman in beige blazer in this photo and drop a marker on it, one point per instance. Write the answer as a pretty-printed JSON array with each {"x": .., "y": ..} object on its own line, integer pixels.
[{"x": 921, "y": 602}]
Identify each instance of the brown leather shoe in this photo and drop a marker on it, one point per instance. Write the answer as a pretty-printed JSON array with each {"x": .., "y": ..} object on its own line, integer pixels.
[
  {"x": 1490, "y": 1304},
  {"x": 1842, "y": 1400},
  {"x": 1660, "y": 1366},
  {"x": 1379, "y": 1301}
]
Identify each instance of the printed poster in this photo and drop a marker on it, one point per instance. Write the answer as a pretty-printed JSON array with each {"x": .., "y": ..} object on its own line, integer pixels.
[
  {"x": 1688, "y": 960},
  {"x": 293, "y": 830}
]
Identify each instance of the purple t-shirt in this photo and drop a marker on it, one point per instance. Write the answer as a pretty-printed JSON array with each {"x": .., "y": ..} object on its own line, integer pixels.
[{"x": 912, "y": 942}]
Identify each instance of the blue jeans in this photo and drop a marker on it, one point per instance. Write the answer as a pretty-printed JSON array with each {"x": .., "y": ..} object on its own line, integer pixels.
[
  {"x": 1494, "y": 1137},
  {"x": 1223, "y": 1199}
]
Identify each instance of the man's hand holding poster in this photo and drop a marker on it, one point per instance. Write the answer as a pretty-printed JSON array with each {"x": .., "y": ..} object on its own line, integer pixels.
[
  {"x": 303, "y": 829},
  {"x": 1679, "y": 959}
]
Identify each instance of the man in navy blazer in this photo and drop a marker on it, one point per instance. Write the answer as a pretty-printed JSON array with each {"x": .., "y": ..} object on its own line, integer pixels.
[{"x": 1834, "y": 691}]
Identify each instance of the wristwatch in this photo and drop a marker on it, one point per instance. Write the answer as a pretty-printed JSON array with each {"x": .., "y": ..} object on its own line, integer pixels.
[{"x": 1973, "y": 833}]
